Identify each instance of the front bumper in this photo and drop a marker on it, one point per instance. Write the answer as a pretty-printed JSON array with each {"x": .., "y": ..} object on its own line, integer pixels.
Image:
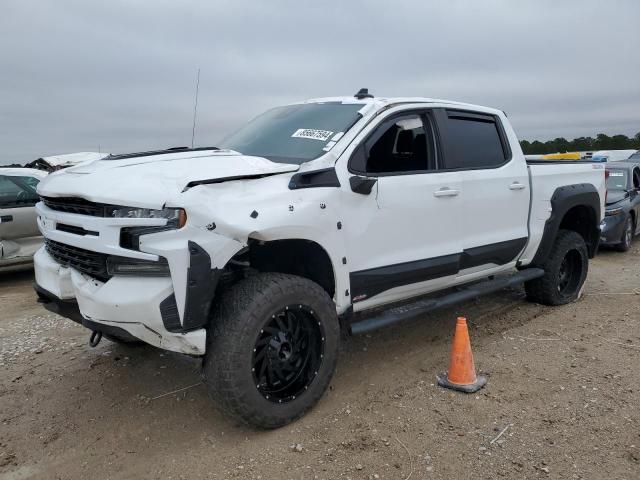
[
  {"x": 611, "y": 229},
  {"x": 129, "y": 305}
]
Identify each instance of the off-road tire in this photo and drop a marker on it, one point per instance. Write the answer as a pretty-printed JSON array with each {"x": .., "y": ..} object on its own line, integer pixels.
[
  {"x": 236, "y": 323},
  {"x": 547, "y": 289},
  {"x": 626, "y": 239}
]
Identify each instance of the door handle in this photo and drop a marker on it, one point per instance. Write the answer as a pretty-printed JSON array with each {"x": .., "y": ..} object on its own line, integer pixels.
[
  {"x": 446, "y": 192},
  {"x": 516, "y": 186},
  {"x": 6, "y": 218}
]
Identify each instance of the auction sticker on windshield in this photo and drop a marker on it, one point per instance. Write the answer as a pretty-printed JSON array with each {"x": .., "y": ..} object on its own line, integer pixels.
[{"x": 313, "y": 134}]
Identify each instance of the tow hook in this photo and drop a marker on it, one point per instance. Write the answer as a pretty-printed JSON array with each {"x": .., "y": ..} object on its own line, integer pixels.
[{"x": 95, "y": 338}]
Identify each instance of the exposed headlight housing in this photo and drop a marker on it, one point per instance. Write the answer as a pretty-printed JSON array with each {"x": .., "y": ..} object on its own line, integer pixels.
[
  {"x": 613, "y": 211},
  {"x": 130, "y": 236},
  {"x": 176, "y": 217},
  {"x": 136, "y": 267}
]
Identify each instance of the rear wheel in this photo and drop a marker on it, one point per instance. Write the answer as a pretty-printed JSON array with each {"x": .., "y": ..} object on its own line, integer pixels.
[
  {"x": 565, "y": 271},
  {"x": 272, "y": 349},
  {"x": 627, "y": 235}
]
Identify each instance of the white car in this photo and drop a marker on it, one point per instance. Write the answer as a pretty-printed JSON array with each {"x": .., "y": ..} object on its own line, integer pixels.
[
  {"x": 19, "y": 234},
  {"x": 316, "y": 215},
  {"x": 57, "y": 162},
  {"x": 612, "y": 155}
]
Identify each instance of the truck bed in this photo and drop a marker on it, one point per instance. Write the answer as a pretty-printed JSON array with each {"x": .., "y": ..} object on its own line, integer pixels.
[{"x": 548, "y": 175}]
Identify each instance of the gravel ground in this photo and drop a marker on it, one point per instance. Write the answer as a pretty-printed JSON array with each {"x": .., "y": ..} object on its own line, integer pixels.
[{"x": 561, "y": 402}]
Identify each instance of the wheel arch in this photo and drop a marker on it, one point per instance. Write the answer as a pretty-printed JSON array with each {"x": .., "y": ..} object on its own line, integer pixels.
[
  {"x": 296, "y": 256},
  {"x": 573, "y": 207}
]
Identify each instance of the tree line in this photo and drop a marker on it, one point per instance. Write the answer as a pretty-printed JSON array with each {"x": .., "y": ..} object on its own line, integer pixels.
[{"x": 581, "y": 144}]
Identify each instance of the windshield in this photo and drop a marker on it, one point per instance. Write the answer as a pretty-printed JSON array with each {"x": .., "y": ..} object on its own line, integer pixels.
[
  {"x": 294, "y": 133},
  {"x": 617, "y": 180}
]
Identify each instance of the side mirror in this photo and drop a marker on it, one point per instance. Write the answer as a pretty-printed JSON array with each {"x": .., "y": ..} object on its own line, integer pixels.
[{"x": 362, "y": 185}]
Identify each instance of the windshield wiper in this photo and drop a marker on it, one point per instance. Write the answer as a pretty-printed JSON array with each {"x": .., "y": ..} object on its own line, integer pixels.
[{"x": 158, "y": 152}]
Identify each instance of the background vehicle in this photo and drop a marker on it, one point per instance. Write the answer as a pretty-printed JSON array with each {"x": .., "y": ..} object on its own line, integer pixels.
[
  {"x": 313, "y": 216},
  {"x": 620, "y": 223},
  {"x": 612, "y": 155},
  {"x": 57, "y": 162},
  {"x": 19, "y": 234},
  {"x": 562, "y": 156}
]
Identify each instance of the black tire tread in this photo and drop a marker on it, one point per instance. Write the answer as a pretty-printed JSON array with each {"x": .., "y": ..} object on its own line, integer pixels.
[
  {"x": 544, "y": 289},
  {"x": 232, "y": 318}
]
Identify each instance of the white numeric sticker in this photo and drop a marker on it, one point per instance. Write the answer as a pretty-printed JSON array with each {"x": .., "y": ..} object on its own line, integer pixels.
[{"x": 313, "y": 134}]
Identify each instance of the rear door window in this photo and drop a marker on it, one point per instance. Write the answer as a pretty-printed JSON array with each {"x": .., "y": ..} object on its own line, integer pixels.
[{"x": 474, "y": 141}]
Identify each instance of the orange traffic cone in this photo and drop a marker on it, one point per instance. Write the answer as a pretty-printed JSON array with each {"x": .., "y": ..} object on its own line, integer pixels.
[{"x": 461, "y": 375}]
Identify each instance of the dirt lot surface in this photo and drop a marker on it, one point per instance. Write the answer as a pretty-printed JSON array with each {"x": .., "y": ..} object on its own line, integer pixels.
[{"x": 564, "y": 382}]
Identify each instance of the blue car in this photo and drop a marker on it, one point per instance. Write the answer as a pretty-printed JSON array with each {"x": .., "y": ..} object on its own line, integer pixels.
[{"x": 621, "y": 223}]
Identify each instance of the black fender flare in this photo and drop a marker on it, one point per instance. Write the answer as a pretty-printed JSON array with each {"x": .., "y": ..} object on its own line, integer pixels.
[
  {"x": 564, "y": 199},
  {"x": 202, "y": 281}
]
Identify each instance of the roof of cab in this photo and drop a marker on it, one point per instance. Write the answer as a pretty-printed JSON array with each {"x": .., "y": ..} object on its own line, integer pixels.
[{"x": 380, "y": 102}]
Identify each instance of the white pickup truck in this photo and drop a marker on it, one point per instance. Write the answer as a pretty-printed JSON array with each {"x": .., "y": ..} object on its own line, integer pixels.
[{"x": 350, "y": 211}]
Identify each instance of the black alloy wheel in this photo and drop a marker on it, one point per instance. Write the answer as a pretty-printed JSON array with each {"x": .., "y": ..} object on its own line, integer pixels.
[
  {"x": 569, "y": 272},
  {"x": 288, "y": 353}
]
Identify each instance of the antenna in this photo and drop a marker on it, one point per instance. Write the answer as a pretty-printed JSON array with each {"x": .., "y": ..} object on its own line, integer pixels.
[{"x": 195, "y": 109}]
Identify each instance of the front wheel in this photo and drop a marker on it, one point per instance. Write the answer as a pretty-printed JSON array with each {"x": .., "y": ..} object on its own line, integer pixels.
[
  {"x": 272, "y": 349},
  {"x": 627, "y": 235},
  {"x": 565, "y": 271}
]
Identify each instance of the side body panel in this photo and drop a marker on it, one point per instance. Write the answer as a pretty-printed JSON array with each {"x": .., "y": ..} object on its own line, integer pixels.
[
  {"x": 434, "y": 242},
  {"x": 494, "y": 198},
  {"x": 545, "y": 181}
]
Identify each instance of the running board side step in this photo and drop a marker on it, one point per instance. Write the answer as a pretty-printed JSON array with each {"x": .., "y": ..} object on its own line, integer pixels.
[{"x": 407, "y": 311}]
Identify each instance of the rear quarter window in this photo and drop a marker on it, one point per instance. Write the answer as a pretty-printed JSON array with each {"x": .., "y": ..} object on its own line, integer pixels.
[{"x": 474, "y": 141}]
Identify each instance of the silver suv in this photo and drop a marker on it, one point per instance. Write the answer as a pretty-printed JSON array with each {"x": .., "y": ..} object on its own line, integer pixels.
[{"x": 19, "y": 234}]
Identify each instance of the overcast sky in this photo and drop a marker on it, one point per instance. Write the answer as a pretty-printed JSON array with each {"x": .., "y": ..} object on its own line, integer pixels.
[{"x": 120, "y": 75}]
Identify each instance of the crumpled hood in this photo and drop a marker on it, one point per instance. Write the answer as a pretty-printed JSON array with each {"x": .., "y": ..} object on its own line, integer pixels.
[
  {"x": 151, "y": 181},
  {"x": 614, "y": 196}
]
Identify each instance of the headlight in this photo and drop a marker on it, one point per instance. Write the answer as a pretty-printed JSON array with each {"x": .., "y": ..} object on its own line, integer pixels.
[
  {"x": 136, "y": 267},
  {"x": 130, "y": 236},
  {"x": 176, "y": 217},
  {"x": 613, "y": 211}
]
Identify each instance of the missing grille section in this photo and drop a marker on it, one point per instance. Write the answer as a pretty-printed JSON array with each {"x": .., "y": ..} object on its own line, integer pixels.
[{"x": 85, "y": 261}]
